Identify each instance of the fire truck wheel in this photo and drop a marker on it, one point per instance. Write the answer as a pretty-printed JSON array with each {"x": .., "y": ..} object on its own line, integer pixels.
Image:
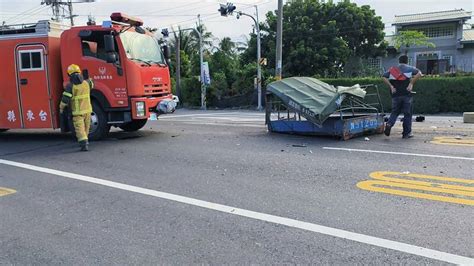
[
  {"x": 134, "y": 125},
  {"x": 99, "y": 127}
]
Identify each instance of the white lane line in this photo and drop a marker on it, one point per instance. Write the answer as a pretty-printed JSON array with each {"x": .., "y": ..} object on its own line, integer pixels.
[
  {"x": 216, "y": 119},
  {"x": 225, "y": 124},
  {"x": 219, "y": 123},
  {"x": 401, "y": 153},
  {"x": 361, "y": 238},
  {"x": 212, "y": 114}
]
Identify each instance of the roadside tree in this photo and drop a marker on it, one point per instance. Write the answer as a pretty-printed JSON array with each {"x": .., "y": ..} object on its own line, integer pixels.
[
  {"x": 318, "y": 38},
  {"x": 410, "y": 38}
]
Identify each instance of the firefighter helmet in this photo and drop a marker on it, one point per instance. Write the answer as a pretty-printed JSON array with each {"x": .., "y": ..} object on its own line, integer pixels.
[{"x": 73, "y": 68}]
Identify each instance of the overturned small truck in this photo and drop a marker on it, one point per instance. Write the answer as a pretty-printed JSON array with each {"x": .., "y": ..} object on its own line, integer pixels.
[{"x": 308, "y": 106}]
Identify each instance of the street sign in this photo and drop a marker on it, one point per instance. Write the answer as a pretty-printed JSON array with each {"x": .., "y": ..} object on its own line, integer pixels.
[
  {"x": 263, "y": 61},
  {"x": 205, "y": 73}
]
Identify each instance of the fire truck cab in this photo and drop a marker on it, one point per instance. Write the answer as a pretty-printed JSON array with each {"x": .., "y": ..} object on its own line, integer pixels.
[{"x": 126, "y": 63}]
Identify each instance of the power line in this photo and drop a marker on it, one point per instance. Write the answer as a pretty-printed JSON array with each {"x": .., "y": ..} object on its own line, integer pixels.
[
  {"x": 156, "y": 16},
  {"x": 172, "y": 8},
  {"x": 18, "y": 19},
  {"x": 205, "y": 18},
  {"x": 29, "y": 10}
]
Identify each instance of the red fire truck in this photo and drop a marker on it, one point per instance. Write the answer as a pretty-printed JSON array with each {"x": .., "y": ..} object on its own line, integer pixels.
[{"x": 125, "y": 61}]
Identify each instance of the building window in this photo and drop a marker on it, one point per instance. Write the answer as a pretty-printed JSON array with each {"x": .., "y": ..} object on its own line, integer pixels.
[
  {"x": 374, "y": 63},
  {"x": 427, "y": 56},
  {"x": 31, "y": 60},
  {"x": 449, "y": 58},
  {"x": 442, "y": 31}
]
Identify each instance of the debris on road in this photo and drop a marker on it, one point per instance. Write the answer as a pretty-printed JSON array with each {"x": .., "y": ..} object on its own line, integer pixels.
[
  {"x": 299, "y": 145},
  {"x": 366, "y": 139},
  {"x": 420, "y": 118}
]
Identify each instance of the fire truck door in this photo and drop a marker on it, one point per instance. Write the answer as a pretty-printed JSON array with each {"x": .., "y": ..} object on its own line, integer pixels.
[{"x": 33, "y": 86}]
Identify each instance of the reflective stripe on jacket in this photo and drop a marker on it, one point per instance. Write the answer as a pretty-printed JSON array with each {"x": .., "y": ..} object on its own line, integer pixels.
[{"x": 81, "y": 99}]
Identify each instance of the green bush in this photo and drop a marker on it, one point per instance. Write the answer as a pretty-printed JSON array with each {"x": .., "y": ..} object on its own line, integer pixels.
[
  {"x": 191, "y": 91},
  {"x": 433, "y": 94},
  {"x": 173, "y": 86},
  {"x": 217, "y": 89}
]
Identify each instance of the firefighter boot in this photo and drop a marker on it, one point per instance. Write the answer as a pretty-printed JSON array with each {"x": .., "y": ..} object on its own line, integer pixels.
[{"x": 84, "y": 145}]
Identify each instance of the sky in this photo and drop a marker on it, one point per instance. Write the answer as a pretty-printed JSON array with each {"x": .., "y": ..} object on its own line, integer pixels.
[{"x": 171, "y": 13}]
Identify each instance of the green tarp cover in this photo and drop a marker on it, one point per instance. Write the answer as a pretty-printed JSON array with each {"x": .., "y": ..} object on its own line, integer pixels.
[{"x": 312, "y": 98}]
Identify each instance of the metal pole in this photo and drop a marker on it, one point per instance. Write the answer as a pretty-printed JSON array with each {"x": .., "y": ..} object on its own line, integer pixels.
[
  {"x": 259, "y": 67},
  {"x": 278, "y": 62},
  {"x": 178, "y": 65},
  {"x": 201, "y": 61}
]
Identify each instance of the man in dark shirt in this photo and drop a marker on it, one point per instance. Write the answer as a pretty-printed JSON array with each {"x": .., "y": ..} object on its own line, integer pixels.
[{"x": 401, "y": 79}]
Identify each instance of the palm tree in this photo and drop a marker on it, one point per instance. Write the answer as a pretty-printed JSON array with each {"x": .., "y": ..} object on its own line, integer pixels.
[
  {"x": 189, "y": 47},
  {"x": 206, "y": 38},
  {"x": 227, "y": 46}
]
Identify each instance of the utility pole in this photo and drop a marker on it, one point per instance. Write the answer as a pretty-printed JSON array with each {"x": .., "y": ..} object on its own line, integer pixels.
[
  {"x": 279, "y": 42},
  {"x": 201, "y": 61},
  {"x": 71, "y": 16},
  {"x": 58, "y": 5}
]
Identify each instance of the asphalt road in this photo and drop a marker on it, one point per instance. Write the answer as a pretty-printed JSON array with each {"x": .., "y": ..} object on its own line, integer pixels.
[{"x": 248, "y": 196}]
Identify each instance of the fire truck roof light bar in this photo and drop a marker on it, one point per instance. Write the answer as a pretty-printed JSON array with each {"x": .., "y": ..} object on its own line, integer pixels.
[{"x": 124, "y": 18}]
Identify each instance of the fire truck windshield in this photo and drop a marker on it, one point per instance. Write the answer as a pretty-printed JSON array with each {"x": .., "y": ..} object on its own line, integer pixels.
[{"x": 142, "y": 47}]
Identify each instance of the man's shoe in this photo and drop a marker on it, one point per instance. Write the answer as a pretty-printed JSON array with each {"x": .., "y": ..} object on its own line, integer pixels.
[
  {"x": 387, "y": 130},
  {"x": 408, "y": 136},
  {"x": 84, "y": 146}
]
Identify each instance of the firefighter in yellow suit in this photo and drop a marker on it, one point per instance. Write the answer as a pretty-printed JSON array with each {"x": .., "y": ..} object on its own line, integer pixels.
[{"x": 77, "y": 96}]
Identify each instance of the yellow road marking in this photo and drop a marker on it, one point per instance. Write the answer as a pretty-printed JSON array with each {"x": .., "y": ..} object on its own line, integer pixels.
[
  {"x": 440, "y": 129},
  {"x": 6, "y": 191},
  {"x": 453, "y": 141},
  {"x": 447, "y": 189}
]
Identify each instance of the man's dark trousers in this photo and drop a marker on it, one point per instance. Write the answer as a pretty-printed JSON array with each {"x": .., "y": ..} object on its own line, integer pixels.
[{"x": 402, "y": 104}]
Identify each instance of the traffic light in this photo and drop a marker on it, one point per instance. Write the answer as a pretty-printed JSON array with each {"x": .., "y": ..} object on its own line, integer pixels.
[
  {"x": 230, "y": 8},
  {"x": 165, "y": 33},
  {"x": 223, "y": 10},
  {"x": 226, "y": 9}
]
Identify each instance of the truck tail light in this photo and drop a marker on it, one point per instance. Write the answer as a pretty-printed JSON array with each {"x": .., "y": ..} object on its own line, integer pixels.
[{"x": 140, "y": 107}]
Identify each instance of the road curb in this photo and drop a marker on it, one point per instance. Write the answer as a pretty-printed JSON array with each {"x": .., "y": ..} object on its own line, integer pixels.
[{"x": 468, "y": 117}]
